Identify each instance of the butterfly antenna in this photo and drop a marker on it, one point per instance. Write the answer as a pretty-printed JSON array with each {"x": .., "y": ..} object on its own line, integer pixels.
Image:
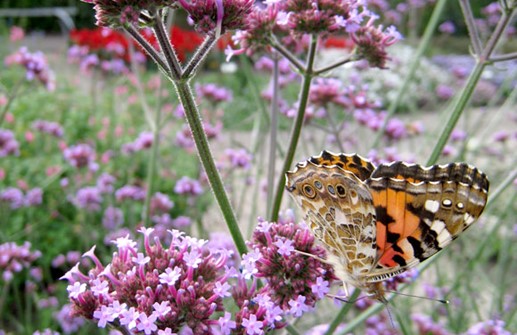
[
  {"x": 388, "y": 309},
  {"x": 442, "y": 301}
]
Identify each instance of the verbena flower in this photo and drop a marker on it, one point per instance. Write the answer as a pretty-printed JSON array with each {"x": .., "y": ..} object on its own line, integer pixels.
[
  {"x": 8, "y": 144},
  {"x": 36, "y": 66},
  {"x": 88, "y": 198},
  {"x": 68, "y": 323},
  {"x": 14, "y": 258},
  {"x": 105, "y": 183},
  {"x": 48, "y": 127},
  {"x": 425, "y": 325},
  {"x": 323, "y": 16},
  {"x": 213, "y": 93},
  {"x": 13, "y": 197},
  {"x": 188, "y": 186},
  {"x": 152, "y": 288},
  {"x": 130, "y": 192},
  {"x": 239, "y": 158},
  {"x": 224, "y": 15},
  {"x": 489, "y": 327},
  {"x": 111, "y": 13},
  {"x": 160, "y": 203},
  {"x": 372, "y": 42},
  {"x": 290, "y": 275},
  {"x": 113, "y": 217},
  {"x": 80, "y": 156},
  {"x": 33, "y": 197}
]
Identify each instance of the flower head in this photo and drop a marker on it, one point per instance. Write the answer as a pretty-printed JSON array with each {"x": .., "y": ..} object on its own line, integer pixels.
[
  {"x": 223, "y": 15},
  {"x": 36, "y": 66},
  {"x": 179, "y": 284},
  {"x": 372, "y": 42},
  {"x": 8, "y": 144}
]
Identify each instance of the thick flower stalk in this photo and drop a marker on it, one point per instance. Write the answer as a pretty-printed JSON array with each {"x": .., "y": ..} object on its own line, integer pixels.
[{"x": 157, "y": 290}]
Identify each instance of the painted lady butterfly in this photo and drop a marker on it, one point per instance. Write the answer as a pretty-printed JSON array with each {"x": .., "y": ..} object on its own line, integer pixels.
[{"x": 378, "y": 222}]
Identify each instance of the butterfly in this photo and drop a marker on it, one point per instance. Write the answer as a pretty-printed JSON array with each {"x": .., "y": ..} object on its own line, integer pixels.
[{"x": 377, "y": 222}]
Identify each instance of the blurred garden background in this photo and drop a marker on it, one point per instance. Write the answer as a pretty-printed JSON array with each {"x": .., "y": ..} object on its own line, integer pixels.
[{"x": 94, "y": 145}]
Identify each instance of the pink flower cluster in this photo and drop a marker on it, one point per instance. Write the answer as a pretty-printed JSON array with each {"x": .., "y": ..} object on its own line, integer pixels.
[
  {"x": 36, "y": 66},
  {"x": 157, "y": 290},
  {"x": 14, "y": 258}
]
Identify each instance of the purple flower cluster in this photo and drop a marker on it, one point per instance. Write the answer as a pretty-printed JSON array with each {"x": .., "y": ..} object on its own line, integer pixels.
[
  {"x": 14, "y": 197},
  {"x": 130, "y": 192},
  {"x": 294, "y": 281},
  {"x": 80, "y": 156},
  {"x": 118, "y": 13},
  {"x": 8, "y": 144},
  {"x": 222, "y": 15},
  {"x": 14, "y": 258},
  {"x": 36, "y": 66},
  {"x": 157, "y": 290},
  {"x": 113, "y": 217},
  {"x": 372, "y": 41},
  {"x": 213, "y": 93},
  {"x": 143, "y": 141},
  {"x": 48, "y": 127},
  {"x": 69, "y": 324},
  {"x": 188, "y": 186},
  {"x": 88, "y": 198},
  {"x": 490, "y": 327},
  {"x": 239, "y": 158}
]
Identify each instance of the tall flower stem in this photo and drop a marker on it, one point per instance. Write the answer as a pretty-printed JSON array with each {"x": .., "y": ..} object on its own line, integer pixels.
[
  {"x": 482, "y": 60},
  {"x": 273, "y": 134},
  {"x": 181, "y": 81},
  {"x": 186, "y": 97},
  {"x": 297, "y": 127},
  {"x": 404, "y": 88}
]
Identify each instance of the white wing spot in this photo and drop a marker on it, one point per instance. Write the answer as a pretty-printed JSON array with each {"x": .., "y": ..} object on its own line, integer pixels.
[
  {"x": 438, "y": 226},
  {"x": 432, "y": 206},
  {"x": 468, "y": 219},
  {"x": 443, "y": 238}
]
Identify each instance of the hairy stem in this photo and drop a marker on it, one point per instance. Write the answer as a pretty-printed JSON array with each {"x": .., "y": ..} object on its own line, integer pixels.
[
  {"x": 199, "y": 56},
  {"x": 186, "y": 97},
  {"x": 296, "y": 129},
  {"x": 148, "y": 48},
  {"x": 166, "y": 46}
]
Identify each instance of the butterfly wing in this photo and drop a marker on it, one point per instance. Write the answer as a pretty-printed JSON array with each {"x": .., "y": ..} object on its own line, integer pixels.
[
  {"x": 339, "y": 211},
  {"x": 421, "y": 210},
  {"x": 359, "y": 166}
]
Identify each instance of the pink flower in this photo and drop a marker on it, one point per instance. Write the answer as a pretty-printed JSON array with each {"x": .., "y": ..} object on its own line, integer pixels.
[{"x": 16, "y": 34}]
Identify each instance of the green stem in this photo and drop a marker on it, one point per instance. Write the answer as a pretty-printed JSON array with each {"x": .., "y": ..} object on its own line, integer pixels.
[
  {"x": 273, "y": 134},
  {"x": 342, "y": 313},
  {"x": 194, "y": 120},
  {"x": 168, "y": 51},
  {"x": 422, "y": 47},
  {"x": 457, "y": 110},
  {"x": 482, "y": 61},
  {"x": 151, "y": 173},
  {"x": 296, "y": 129}
]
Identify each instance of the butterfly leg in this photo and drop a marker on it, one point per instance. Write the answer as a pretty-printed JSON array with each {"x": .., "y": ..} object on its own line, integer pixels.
[{"x": 313, "y": 256}]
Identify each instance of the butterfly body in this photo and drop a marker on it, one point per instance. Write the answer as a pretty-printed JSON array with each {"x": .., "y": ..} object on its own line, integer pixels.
[{"x": 377, "y": 222}]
